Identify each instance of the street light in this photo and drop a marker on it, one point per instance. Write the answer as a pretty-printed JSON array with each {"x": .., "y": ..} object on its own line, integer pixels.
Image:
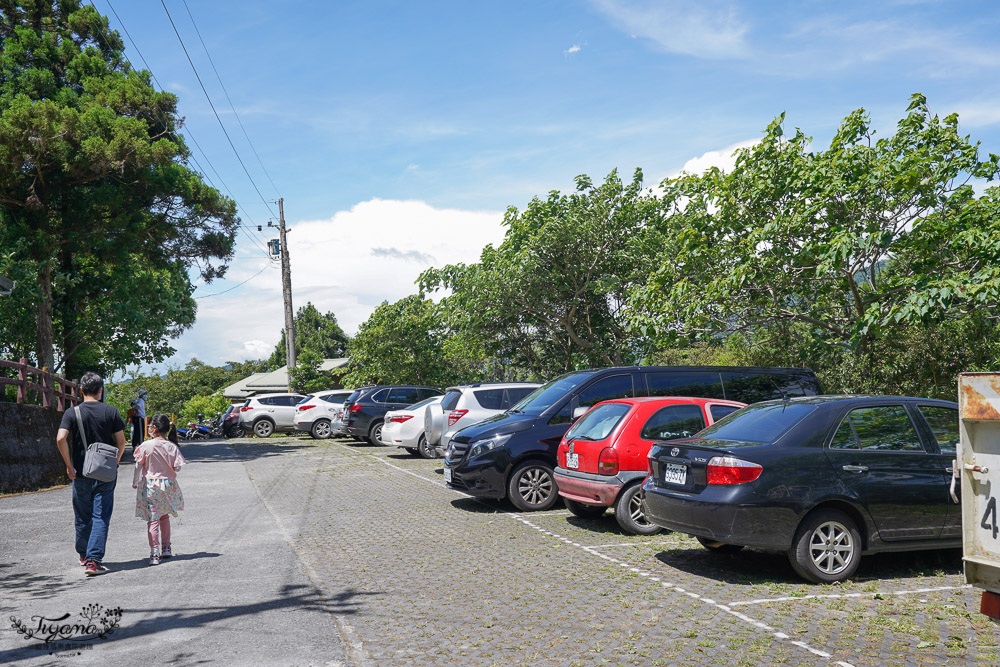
[{"x": 6, "y": 286}]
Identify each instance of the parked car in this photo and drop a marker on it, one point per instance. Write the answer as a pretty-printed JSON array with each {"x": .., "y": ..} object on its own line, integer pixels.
[
  {"x": 265, "y": 414},
  {"x": 316, "y": 413},
  {"x": 469, "y": 404},
  {"x": 365, "y": 408},
  {"x": 513, "y": 454},
  {"x": 826, "y": 479},
  {"x": 405, "y": 428},
  {"x": 603, "y": 457}
]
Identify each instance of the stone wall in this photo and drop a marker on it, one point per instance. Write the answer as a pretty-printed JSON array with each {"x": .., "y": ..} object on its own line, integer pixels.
[{"x": 29, "y": 459}]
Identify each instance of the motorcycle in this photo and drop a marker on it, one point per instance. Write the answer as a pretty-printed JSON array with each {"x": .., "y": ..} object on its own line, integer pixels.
[{"x": 196, "y": 430}]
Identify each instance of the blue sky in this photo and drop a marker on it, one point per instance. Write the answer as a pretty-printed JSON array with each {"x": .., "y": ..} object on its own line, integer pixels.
[{"x": 398, "y": 132}]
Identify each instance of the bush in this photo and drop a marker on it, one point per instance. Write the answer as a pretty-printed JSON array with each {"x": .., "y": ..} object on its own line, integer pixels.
[{"x": 208, "y": 405}]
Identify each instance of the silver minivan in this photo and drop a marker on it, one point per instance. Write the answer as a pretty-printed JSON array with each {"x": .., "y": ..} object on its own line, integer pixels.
[
  {"x": 469, "y": 404},
  {"x": 265, "y": 414}
]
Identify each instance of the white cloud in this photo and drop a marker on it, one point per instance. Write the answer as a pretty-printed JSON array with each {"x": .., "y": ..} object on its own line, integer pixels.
[
  {"x": 705, "y": 29},
  {"x": 573, "y": 49},
  {"x": 347, "y": 263},
  {"x": 978, "y": 115},
  {"x": 724, "y": 159}
]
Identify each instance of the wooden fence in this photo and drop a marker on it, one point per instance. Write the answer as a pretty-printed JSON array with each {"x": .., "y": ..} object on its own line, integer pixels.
[{"x": 67, "y": 395}]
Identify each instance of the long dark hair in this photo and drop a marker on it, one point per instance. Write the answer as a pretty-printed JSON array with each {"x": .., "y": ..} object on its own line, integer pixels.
[{"x": 161, "y": 423}]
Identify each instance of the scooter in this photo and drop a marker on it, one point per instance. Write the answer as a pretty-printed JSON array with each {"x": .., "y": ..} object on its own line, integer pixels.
[{"x": 197, "y": 430}]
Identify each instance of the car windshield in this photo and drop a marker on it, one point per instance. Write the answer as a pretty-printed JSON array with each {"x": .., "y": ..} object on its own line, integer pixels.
[
  {"x": 760, "y": 423},
  {"x": 550, "y": 393},
  {"x": 599, "y": 422}
]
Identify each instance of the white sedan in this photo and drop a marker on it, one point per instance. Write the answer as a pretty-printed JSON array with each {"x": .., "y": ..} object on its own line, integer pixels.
[{"x": 405, "y": 428}]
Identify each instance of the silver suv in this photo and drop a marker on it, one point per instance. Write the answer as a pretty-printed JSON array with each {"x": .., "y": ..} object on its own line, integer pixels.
[
  {"x": 469, "y": 404},
  {"x": 269, "y": 413}
]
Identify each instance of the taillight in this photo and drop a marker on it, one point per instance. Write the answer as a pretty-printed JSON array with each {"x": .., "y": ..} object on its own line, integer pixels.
[
  {"x": 246, "y": 407},
  {"x": 731, "y": 470},
  {"x": 455, "y": 415},
  {"x": 305, "y": 407},
  {"x": 607, "y": 462},
  {"x": 355, "y": 408},
  {"x": 399, "y": 419},
  {"x": 561, "y": 454}
]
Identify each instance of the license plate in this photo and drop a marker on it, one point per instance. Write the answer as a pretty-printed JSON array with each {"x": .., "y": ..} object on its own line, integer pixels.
[
  {"x": 674, "y": 473},
  {"x": 447, "y": 474},
  {"x": 573, "y": 461}
]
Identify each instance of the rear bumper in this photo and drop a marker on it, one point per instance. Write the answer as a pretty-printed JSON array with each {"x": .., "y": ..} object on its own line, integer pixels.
[
  {"x": 593, "y": 489},
  {"x": 724, "y": 514},
  {"x": 304, "y": 426}
]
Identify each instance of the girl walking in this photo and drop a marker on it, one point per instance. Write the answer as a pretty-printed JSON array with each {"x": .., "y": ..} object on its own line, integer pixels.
[{"x": 158, "y": 495}]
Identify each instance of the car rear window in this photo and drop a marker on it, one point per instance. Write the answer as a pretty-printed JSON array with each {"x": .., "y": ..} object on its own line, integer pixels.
[
  {"x": 353, "y": 397},
  {"x": 451, "y": 399},
  {"x": 599, "y": 422},
  {"x": 761, "y": 423},
  {"x": 334, "y": 398}
]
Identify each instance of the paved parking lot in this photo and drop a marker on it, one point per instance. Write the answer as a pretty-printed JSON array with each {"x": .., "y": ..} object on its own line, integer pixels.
[{"x": 421, "y": 574}]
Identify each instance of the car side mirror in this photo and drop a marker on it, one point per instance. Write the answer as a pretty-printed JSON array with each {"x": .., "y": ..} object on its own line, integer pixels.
[{"x": 579, "y": 412}]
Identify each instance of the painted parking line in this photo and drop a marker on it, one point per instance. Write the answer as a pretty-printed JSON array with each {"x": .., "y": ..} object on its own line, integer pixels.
[
  {"x": 835, "y": 596},
  {"x": 666, "y": 585}
]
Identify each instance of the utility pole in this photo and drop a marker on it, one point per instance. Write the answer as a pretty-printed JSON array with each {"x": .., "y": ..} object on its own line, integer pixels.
[{"x": 286, "y": 288}]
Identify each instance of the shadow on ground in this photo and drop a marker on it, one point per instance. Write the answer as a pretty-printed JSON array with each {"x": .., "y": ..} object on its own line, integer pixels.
[
  {"x": 148, "y": 622},
  {"x": 207, "y": 451}
]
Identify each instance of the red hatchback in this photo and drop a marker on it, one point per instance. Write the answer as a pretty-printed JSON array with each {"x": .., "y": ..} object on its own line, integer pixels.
[{"x": 602, "y": 458}]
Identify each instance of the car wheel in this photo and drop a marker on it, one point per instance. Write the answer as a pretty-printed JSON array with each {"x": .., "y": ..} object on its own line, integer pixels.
[
  {"x": 532, "y": 487},
  {"x": 375, "y": 434},
  {"x": 827, "y": 547},
  {"x": 262, "y": 428},
  {"x": 426, "y": 450},
  {"x": 717, "y": 547},
  {"x": 584, "y": 511},
  {"x": 630, "y": 514},
  {"x": 320, "y": 429},
  {"x": 235, "y": 432},
  {"x": 412, "y": 450}
]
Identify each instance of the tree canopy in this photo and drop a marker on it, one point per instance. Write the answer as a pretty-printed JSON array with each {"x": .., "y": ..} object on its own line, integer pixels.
[
  {"x": 100, "y": 216},
  {"x": 316, "y": 333}
]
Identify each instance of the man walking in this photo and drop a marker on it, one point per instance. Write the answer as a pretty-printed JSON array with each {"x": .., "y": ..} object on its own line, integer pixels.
[
  {"x": 139, "y": 420},
  {"x": 93, "y": 499}
]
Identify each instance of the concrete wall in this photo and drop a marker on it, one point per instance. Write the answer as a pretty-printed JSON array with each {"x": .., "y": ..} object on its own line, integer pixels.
[{"x": 29, "y": 459}]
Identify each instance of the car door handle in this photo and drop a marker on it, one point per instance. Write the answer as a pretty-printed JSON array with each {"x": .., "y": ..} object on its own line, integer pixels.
[{"x": 854, "y": 468}]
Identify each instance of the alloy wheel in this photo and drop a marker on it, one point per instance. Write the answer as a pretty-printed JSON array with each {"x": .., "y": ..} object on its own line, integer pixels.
[
  {"x": 831, "y": 548},
  {"x": 535, "y": 486},
  {"x": 636, "y": 511}
]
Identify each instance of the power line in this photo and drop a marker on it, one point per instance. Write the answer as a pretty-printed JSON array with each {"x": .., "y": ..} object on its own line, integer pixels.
[
  {"x": 209, "y": 98},
  {"x": 248, "y": 232},
  {"x": 239, "y": 285},
  {"x": 228, "y": 99}
]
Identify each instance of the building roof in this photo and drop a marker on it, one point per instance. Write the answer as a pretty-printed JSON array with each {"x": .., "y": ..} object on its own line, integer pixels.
[{"x": 275, "y": 381}]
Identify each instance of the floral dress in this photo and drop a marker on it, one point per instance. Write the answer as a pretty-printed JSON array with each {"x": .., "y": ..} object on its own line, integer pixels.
[{"x": 157, "y": 490}]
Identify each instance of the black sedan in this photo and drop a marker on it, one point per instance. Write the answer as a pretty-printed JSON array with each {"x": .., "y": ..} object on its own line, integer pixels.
[{"x": 825, "y": 478}]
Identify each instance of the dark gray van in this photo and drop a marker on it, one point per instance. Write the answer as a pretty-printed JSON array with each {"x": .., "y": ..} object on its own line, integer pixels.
[{"x": 514, "y": 453}]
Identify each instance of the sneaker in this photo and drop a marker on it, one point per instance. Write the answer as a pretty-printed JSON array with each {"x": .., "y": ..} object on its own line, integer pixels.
[
  {"x": 93, "y": 568},
  {"x": 83, "y": 561},
  {"x": 166, "y": 552},
  {"x": 154, "y": 557}
]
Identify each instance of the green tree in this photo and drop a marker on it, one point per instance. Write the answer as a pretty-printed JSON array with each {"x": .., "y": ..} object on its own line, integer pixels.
[
  {"x": 401, "y": 343},
  {"x": 100, "y": 218},
  {"x": 553, "y": 295},
  {"x": 842, "y": 250},
  {"x": 206, "y": 405},
  {"x": 306, "y": 377},
  {"x": 317, "y": 333}
]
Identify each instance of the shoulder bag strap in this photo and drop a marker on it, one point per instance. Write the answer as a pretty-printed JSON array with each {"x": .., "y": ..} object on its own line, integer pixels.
[{"x": 79, "y": 421}]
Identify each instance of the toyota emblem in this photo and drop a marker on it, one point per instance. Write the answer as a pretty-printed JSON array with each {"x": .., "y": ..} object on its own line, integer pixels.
[{"x": 675, "y": 451}]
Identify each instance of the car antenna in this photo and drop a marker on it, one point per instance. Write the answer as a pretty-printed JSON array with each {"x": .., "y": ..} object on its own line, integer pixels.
[{"x": 784, "y": 396}]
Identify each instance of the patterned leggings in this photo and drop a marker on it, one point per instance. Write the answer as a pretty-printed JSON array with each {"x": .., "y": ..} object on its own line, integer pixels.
[{"x": 159, "y": 529}]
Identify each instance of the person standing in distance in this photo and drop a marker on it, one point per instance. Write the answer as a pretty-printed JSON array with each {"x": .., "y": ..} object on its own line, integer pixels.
[
  {"x": 93, "y": 500},
  {"x": 139, "y": 420}
]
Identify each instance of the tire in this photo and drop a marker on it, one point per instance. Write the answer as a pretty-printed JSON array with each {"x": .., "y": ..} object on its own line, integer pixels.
[
  {"x": 425, "y": 449},
  {"x": 630, "y": 514},
  {"x": 235, "y": 432},
  {"x": 826, "y": 548},
  {"x": 532, "y": 487},
  {"x": 584, "y": 511},
  {"x": 375, "y": 433},
  {"x": 263, "y": 428},
  {"x": 720, "y": 547},
  {"x": 321, "y": 429}
]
